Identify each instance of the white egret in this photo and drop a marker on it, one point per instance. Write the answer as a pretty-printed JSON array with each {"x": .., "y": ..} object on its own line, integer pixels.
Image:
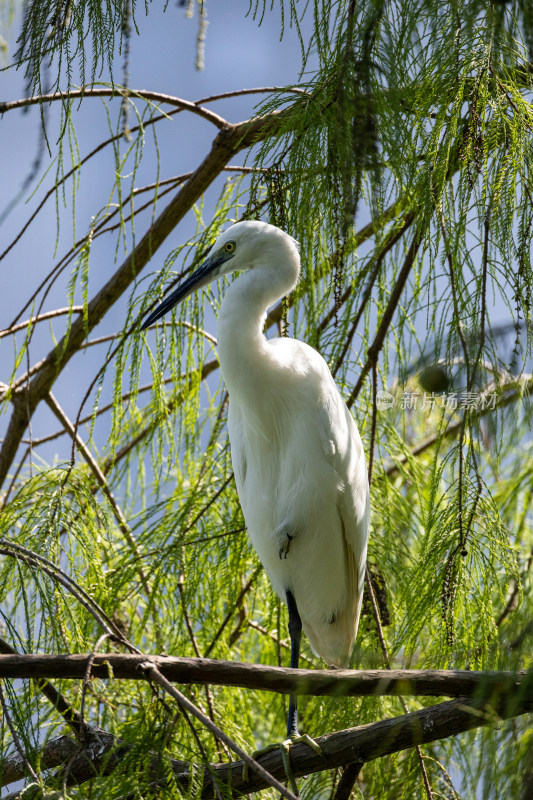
[{"x": 296, "y": 452}]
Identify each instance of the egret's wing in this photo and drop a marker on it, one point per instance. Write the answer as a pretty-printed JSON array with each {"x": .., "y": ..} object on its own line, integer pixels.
[{"x": 344, "y": 451}]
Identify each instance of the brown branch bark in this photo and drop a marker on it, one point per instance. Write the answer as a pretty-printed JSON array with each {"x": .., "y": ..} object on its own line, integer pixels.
[
  {"x": 101, "y": 755},
  {"x": 155, "y": 675},
  {"x": 353, "y": 745},
  {"x": 57, "y": 312},
  {"x": 318, "y": 682},
  {"x": 368, "y": 742},
  {"x": 69, "y": 714}
]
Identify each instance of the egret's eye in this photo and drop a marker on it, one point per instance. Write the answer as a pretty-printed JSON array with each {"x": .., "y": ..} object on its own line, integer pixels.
[{"x": 229, "y": 247}]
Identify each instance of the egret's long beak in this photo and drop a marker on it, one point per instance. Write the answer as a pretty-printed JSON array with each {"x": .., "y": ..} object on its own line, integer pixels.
[{"x": 203, "y": 275}]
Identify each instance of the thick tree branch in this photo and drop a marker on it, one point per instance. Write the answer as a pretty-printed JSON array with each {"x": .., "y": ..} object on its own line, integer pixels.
[
  {"x": 318, "y": 682},
  {"x": 353, "y": 745},
  {"x": 368, "y": 742},
  {"x": 101, "y": 754}
]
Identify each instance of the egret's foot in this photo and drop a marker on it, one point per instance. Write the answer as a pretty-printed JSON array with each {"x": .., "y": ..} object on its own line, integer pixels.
[
  {"x": 285, "y": 747},
  {"x": 285, "y": 755},
  {"x": 286, "y": 546}
]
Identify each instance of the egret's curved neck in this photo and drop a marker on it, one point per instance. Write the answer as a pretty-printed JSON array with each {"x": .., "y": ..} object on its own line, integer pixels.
[{"x": 241, "y": 342}]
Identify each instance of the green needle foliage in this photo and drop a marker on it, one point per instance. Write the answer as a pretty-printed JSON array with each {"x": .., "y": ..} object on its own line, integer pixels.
[{"x": 402, "y": 163}]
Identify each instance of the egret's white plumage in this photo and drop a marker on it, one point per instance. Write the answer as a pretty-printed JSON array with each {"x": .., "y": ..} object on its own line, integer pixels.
[{"x": 297, "y": 455}]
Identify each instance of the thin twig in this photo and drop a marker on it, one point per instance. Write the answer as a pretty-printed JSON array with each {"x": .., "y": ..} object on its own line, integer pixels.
[
  {"x": 192, "y": 637},
  {"x": 388, "y": 314},
  {"x": 82, "y": 733},
  {"x": 57, "y": 312},
  {"x": 142, "y": 94},
  {"x": 153, "y": 673},
  {"x": 386, "y": 659},
  {"x": 244, "y": 591}
]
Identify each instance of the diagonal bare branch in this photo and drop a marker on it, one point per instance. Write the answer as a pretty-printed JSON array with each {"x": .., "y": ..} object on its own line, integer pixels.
[
  {"x": 229, "y": 141},
  {"x": 143, "y": 94}
]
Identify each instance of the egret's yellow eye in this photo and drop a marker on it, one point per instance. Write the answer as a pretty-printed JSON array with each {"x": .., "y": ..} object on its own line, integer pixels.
[{"x": 229, "y": 247}]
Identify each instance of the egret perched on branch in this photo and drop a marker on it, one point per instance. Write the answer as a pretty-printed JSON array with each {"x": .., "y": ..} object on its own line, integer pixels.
[{"x": 297, "y": 455}]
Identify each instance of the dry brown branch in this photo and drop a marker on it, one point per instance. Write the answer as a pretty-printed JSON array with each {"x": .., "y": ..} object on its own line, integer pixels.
[
  {"x": 101, "y": 755},
  {"x": 318, "y": 682},
  {"x": 353, "y": 745},
  {"x": 155, "y": 675},
  {"x": 386, "y": 320},
  {"x": 230, "y": 140},
  {"x": 57, "y": 312},
  {"x": 364, "y": 744}
]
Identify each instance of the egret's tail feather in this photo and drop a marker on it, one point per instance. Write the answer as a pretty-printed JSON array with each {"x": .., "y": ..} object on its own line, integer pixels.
[{"x": 333, "y": 639}]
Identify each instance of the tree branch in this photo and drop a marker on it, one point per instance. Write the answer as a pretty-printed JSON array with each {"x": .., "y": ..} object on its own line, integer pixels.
[
  {"x": 101, "y": 755},
  {"x": 353, "y": 745},
  {"x": 143, "y": 94},
  {"x": 316, "y": 682},
  {"x": 57, "y": 312},
  {"x": 379, "y": 340},
  {"x": 155, "y": 675},
  {"x": 368, "y": 742},
  {"x": 102, "y": 482}
]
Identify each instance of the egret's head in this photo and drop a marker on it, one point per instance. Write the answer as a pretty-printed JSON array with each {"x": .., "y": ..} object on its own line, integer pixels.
[{"x": 245, "y": 245}]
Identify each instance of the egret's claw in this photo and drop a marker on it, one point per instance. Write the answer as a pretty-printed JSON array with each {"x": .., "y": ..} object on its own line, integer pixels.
[
  {"x": 284, "y": 748},
  {"x": 285, "y": 755},
  {"x": 306, "y": 739}
]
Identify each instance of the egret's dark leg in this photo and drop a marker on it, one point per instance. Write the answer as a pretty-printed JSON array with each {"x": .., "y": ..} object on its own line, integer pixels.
[{"x": 295, "y": 632}]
